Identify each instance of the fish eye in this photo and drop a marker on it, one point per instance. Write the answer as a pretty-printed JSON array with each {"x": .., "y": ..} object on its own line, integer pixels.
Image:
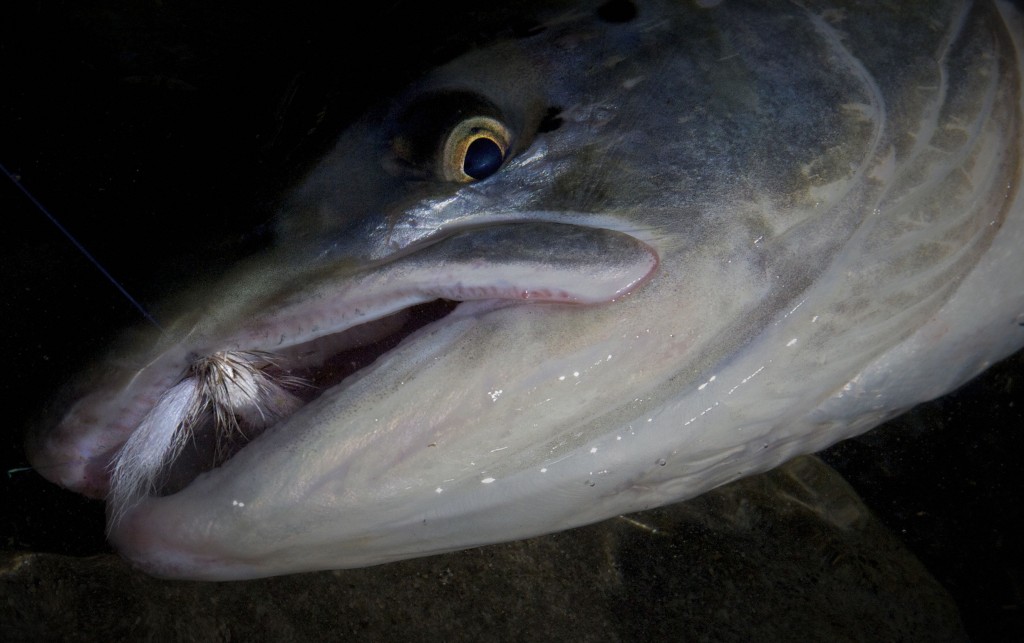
[{"x": 474, "y": 149}]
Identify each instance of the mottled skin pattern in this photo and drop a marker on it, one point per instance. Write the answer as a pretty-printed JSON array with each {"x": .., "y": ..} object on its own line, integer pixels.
[{"x": 807, "y": 219}]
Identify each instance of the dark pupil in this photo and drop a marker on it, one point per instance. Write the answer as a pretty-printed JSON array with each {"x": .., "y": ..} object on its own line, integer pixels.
[{"x": 483, "y": 158}]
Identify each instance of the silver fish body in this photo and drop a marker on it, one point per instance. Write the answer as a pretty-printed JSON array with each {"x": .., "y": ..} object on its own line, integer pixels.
[{"x": 717, "y": 236}]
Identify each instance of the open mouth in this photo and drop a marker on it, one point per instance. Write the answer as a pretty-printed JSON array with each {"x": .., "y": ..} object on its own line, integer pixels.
[
  {"x": 303, "y": 372},
  {"x": 231, "y": 397},
  {"x": 317, "y": 369},
  {"x": 316, "y": 334}
]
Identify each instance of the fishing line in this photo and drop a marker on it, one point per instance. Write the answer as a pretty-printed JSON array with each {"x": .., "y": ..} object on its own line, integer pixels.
[{"x": 14, "y": 179}]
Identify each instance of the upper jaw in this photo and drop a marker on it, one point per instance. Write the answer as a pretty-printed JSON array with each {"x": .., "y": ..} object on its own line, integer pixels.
[{"x": 303, "y": 316}]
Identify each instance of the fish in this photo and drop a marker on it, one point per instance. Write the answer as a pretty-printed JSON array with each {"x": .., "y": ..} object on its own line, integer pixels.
[{"x": 620, "y": 258}]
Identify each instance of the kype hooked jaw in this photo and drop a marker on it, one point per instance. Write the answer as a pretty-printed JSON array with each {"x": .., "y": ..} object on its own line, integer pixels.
[{"x": 197, "y": 403}]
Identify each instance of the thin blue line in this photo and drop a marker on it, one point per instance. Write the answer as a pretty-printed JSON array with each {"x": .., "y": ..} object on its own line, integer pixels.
[{"x": 80, "y": 247}]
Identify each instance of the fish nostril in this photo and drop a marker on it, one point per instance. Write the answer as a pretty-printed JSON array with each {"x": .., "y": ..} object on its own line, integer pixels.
[{"x": 552, "y": 120}]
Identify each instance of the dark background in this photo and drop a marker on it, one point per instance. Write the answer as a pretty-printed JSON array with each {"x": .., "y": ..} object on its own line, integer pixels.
[{"x": 161, "y": 135}]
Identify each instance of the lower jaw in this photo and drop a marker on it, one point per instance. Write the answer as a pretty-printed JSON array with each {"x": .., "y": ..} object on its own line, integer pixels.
[{"x": 306, "y": 374}]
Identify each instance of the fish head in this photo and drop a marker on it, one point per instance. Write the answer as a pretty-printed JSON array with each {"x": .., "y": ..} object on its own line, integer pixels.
[{"x": 608, "y": 264}]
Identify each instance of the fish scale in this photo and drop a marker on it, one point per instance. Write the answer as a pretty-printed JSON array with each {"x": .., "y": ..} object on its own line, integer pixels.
[{"x": 758, "y": 228}]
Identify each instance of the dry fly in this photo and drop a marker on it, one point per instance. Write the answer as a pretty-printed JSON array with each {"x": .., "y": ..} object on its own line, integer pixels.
[{"x": 240, "y": 392}]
